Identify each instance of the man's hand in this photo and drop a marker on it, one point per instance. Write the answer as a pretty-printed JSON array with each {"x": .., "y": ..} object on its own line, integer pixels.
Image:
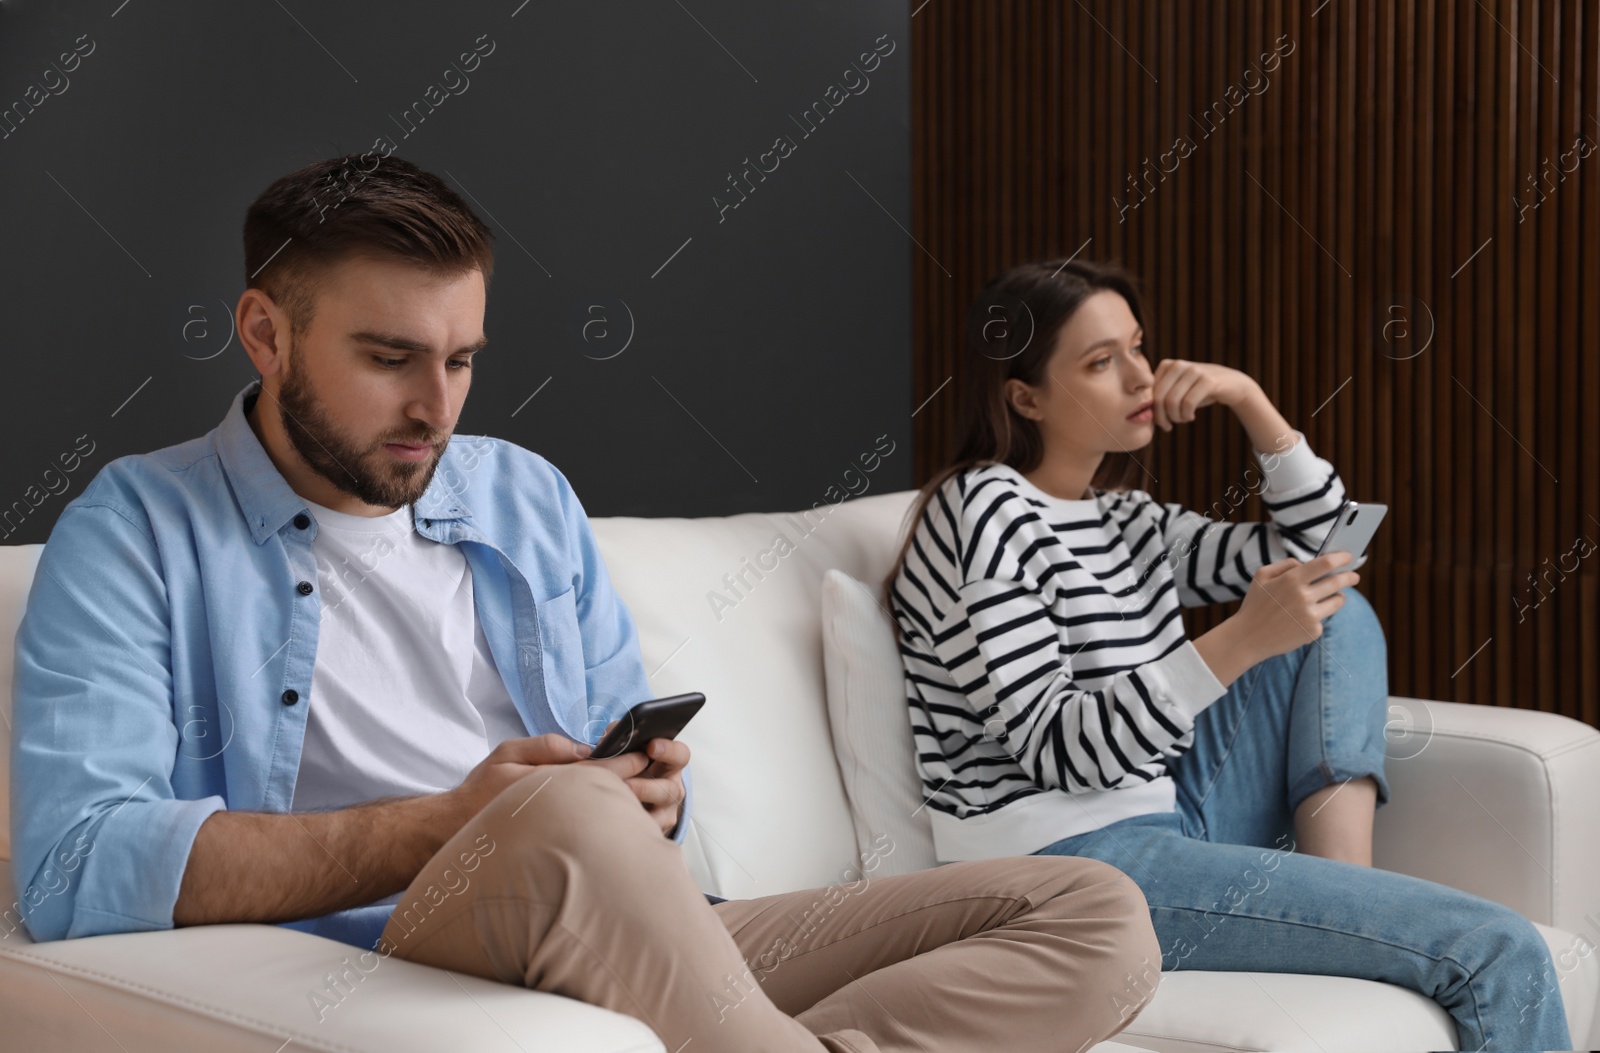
[
  {"x": 249, "y": 866},
  {"x": 514, "y": 758},
  {"x": 659, "y": 784}
]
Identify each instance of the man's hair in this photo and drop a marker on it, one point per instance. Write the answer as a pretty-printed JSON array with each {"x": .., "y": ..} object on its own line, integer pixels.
[{"x": 311, "y": 220}]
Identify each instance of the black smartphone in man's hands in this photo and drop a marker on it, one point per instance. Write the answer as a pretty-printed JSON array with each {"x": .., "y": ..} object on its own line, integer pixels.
[{"x": 656, "y": 718}]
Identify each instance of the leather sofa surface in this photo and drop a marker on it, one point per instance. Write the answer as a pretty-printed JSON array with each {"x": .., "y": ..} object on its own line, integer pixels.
[{"x": 1494, "y": 801}]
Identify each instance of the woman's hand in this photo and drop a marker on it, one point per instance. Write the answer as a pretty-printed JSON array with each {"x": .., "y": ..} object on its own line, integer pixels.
[
  {"x": 1285, "y": 606},
  {"x": 1182, "y": 387}
]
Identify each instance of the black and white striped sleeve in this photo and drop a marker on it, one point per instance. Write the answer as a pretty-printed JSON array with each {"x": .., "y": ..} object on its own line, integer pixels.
[{"x": 1214, "y": 561}]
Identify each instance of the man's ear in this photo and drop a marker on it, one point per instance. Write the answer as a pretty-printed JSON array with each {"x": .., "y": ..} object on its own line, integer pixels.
[{"x": 263, "y": 328}]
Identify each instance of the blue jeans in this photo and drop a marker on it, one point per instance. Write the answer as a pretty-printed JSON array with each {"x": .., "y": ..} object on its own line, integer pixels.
[{"x": 1227, "y": 891}]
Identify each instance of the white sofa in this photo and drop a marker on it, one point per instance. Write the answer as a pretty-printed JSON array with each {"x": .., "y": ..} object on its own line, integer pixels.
[{"x": 1496, "y": 801}]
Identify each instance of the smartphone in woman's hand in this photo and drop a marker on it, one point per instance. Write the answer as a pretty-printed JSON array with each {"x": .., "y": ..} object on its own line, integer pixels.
[{"x": 1352, "y": 532}]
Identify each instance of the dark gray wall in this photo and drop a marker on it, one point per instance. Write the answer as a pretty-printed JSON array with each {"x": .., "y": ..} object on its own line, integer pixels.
[{"x": 596, "y": 139}]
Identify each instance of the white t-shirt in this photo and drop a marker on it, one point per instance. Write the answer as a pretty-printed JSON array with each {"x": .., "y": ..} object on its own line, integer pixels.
[{"x": 405, "y": 696}]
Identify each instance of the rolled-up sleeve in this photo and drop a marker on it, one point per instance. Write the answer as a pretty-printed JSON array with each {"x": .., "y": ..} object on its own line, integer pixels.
[
  {"x": 99, "y": 841},
  {"x": 613, "y": 665}
]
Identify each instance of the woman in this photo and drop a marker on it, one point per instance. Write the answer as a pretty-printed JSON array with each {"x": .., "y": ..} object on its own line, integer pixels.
[{"x": 1059, "y": 709}]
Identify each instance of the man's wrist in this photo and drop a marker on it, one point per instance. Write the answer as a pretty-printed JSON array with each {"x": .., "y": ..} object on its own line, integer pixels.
[{"x": 442, "y": 814}]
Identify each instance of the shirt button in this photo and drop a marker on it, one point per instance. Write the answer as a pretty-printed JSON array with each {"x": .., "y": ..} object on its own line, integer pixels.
[
  {"x": 290, "y": 697},
  {"x": 302, "y": 520},
  {"x": 304, "y": 588}
]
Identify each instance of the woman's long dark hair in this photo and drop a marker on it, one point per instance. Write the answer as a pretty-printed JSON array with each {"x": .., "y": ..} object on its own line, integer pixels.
[{"x": 1011, "y": 333}]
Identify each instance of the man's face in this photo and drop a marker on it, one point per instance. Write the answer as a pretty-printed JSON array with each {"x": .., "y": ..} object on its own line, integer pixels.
[{"x": 386, "y": 361}]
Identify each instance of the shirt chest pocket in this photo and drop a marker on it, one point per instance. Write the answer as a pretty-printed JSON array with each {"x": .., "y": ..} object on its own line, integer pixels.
[{"x": 562, "y": 643}]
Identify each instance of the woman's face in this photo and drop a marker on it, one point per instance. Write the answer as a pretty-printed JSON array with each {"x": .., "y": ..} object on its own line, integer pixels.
[{"x": 1096, "y": 379}]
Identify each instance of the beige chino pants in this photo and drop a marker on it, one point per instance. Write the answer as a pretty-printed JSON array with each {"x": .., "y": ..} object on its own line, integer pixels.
[{"x": 564, "y": 884}]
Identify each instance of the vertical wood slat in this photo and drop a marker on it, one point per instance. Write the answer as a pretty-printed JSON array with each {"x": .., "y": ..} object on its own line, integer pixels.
[
  {"x": 1392, "y": 142},
  {"x": 1565, "y": 368},
  {"x": 1588, "y": 345}
]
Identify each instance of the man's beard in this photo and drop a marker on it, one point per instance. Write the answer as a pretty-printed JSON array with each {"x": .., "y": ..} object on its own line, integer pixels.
[{"x": 371, "y": 474}]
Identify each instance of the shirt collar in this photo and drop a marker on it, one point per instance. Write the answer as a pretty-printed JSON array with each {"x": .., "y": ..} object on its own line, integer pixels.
[{"x": 264, "y": 495}]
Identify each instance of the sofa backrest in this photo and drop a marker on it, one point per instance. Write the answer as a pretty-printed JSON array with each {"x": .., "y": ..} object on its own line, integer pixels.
[
  {"x": 731, "y": 607},
  {"x": 17, "y": 563},
  {"x": 770, "y": 810}
]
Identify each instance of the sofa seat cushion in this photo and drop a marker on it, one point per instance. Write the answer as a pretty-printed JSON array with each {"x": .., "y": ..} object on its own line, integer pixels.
[
  {"x": 1211, "y": 1011},
  {"x": 1295, "y": 1013},
  {"x": 248, "y": 988}
]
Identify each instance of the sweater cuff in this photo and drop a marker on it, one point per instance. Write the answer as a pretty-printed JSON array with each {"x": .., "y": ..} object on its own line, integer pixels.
[
  {"x": 1288, "y": 471},
  {"x": 1182, "y": 684}
]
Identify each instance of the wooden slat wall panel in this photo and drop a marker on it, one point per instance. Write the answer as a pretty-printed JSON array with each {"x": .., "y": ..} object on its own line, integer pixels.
[{"x": 1354, "y": 191}]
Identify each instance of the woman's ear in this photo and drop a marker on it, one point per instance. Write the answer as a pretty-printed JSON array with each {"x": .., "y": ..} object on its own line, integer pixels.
[{"x": 1022, "y": 398}]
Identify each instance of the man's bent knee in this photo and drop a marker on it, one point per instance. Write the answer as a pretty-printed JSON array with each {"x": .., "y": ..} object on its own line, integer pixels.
[
  {"x": 558, "y": 789},
  {"x": 535, "y": 834},
  {"x": 576, "y": 807},
  {"x": 1084, "y": 888},
  {"x": 1084, "y": 874}
]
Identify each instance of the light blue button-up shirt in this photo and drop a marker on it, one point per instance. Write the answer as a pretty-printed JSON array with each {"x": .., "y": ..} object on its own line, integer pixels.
[{"x": 163, "y": 664}]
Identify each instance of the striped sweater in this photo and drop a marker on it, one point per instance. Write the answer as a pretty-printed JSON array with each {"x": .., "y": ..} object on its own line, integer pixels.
[{"x": 1048, "y": 675}]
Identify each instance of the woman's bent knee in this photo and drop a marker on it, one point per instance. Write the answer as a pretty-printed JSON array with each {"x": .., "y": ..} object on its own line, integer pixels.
[{"x": 1356, "y": 614}]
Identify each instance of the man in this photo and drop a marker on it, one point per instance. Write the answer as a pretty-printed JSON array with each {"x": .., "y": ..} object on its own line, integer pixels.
[{"x": 330, "y": 667}]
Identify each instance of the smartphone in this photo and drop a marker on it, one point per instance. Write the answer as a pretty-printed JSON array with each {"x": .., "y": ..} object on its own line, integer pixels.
[
  {"x": 657, "y": 718},
  {"x": 1352, "y": 532}
]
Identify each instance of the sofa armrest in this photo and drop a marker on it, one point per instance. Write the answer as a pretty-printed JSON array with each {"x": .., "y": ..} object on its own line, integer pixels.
[
  {"x": 1497, "y": 802},
  {"x": 239, "y": 988}
]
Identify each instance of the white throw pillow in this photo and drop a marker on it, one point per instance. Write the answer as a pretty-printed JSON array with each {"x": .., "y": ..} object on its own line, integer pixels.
[{"x": 872, "y": 728}]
